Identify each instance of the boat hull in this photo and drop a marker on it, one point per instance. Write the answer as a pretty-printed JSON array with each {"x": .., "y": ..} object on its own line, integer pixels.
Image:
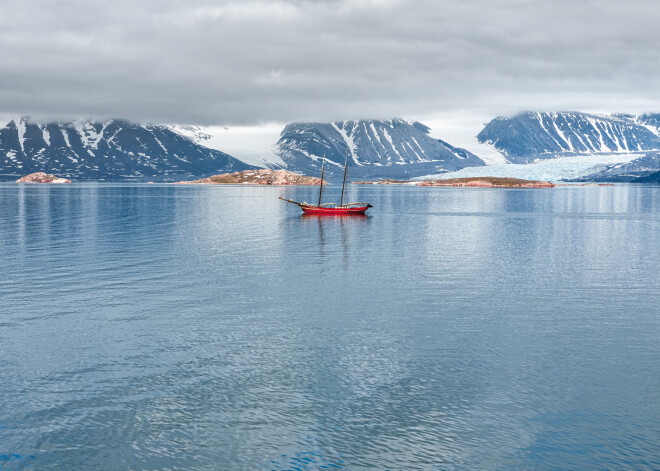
[
  {"x": 330, "y": 209},
  {"x": 335, "y": 210}
]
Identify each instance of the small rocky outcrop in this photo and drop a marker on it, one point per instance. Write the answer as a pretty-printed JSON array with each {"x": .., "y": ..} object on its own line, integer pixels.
[
  {"x": 41, "y": 177},
  {"x": 259, "y": 177}
]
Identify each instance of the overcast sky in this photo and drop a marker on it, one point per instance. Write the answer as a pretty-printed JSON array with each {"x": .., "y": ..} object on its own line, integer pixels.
[{"x": 255, "y": 62}]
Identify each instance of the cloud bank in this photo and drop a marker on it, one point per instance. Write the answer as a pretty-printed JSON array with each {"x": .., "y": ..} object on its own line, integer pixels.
[{"x": 251, "y": 62}]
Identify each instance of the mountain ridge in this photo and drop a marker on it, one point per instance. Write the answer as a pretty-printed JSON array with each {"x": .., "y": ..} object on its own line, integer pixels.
[
  {"x": 106, "y": 150},
  {"x": 372, "y": 149},
  {"x": 528, "y": 136},
  {"x": 116, "y": 149}
]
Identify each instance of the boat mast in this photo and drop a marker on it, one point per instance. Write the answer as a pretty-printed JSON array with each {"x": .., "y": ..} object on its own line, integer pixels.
[
  {"x": 341, "y": 201},
  {"x": 322, "y": 174}
]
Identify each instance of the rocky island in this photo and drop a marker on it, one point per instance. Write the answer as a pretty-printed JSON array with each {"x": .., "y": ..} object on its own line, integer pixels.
[
  {"x": 259, "y": 177},
  {"x": 470, "y": 182},
  {"x": 41, "y": 177}
]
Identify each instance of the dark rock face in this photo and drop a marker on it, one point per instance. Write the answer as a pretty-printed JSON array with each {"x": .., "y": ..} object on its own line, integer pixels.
[
  {"x": 528, "y": 136},
  {"x": 111, "y": 150},
  {"x": 651, "y": 178},
  {"x": 650, "y": 119},
  {"x": 633, "y": 171},
  {"x": 376, "y": 149}
]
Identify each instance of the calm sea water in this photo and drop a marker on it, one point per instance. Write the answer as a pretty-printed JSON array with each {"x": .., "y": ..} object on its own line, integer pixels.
[{"x": 154, "y": 327}]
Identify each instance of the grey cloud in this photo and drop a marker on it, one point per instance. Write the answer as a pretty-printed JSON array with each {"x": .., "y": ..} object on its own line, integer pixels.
[{"x": 248, "y": 62}]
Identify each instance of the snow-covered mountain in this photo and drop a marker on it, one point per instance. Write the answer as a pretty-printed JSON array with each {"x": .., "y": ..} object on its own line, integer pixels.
[
  {"x": 529, "y": 136},
  {"x": 109, "y": 150},
  {"x": 376, "y": 149},
  {"x": 117, "y": 149}
]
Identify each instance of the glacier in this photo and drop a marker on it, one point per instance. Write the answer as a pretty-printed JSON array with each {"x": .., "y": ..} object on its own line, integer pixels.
[
  {"x": 250, "y": 144},
  {"x": 557, "y": 169},
  {"x": 633, "y": 171}
]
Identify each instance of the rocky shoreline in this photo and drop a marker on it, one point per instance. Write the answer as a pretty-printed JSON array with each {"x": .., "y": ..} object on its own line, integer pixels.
[
  {"x": 258, "y": 177},
  {"x": 42, "y": 177},
  {"x": 470, "y": 182}
]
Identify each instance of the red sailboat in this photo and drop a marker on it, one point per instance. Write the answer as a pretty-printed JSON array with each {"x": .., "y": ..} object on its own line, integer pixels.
[{"x": 332, "y": 208}]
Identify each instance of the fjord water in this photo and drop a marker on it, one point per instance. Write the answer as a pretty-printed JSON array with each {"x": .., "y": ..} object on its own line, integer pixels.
[{"x": 172, "y": 327}]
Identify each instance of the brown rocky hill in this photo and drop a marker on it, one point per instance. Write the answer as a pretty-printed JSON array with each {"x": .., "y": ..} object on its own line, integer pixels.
[
  {"x": 259, "y": 177},
  {"x": 41, "y": 177}
]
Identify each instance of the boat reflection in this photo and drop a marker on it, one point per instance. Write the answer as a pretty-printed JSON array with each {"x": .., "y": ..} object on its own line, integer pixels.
[{"x": 335, "y": 233}]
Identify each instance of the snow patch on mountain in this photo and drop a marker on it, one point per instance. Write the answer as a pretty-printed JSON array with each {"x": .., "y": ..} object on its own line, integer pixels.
[
  {"x": 348, "y": 138},
  {"x": 90, "y": 133},
  {"x": 45, "y": 134}
]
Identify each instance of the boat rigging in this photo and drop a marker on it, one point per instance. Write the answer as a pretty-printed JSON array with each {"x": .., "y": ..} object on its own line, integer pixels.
[{"x": 332, "y": 208}]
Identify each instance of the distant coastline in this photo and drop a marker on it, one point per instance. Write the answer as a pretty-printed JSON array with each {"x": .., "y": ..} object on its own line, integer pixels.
[{"x": 553, "y": 146}]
